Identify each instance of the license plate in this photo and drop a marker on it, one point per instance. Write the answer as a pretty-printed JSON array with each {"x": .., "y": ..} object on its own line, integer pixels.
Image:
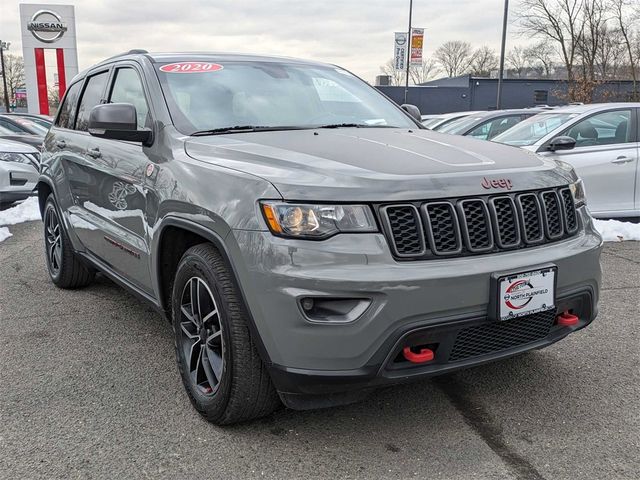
[{"x": 526, "y": 293}]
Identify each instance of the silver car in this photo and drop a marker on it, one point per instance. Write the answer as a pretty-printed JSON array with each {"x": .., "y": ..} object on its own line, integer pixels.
[
  {"x": 436, "y": 122},
  {"x": 600, "y": 141},
  {"x": 18, "y": 171}
]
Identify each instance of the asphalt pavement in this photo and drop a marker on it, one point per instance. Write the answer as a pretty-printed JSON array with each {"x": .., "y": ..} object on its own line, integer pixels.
[{"x": 89, "y": 389}]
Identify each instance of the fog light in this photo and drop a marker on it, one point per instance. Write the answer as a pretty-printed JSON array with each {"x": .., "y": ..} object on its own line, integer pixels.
[{"x": 307, "y": 304}]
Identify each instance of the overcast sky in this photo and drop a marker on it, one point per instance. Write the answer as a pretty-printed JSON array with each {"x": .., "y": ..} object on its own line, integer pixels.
[{"x": 356, "y": 34}]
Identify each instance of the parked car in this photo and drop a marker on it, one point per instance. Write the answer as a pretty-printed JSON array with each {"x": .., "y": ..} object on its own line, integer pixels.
[
  {"x": 486, "y": 125},
  {"x": 308, "y": 239},
  {"x": 436, "y": 122},
  {"x": 21, "y": 130},
  {"x": 601, "y": 141},
  {"x": 19, "y": 165},
  {"x": 42, "y": 120}
]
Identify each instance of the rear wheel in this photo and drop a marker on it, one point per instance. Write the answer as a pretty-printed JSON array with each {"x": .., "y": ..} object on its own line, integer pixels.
[
  {"x": 220, "y": 367},
  {"x": 65, "y": 267}
]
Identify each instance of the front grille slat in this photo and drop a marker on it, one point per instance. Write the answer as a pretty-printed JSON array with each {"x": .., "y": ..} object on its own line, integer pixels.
[
  {"x": 471, "y": 226},
  {"x": 475, "y": 225},
  {"x": 505, "y": 221},
  {"x": 552, "y": 216},
  {"x": 403, "y": 222},
  {"x": 494, "y": 337},
  {"x": 569, "y": 210},
  {"x": 531, "y": 218},
  {"x": 442, "y": 227}
]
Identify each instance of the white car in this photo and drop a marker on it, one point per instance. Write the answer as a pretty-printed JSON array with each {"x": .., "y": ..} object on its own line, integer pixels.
[
  {"x": 436, "y": 122},
  {"x": 601, "y": 141},
  {"x": 19, "y": 165}
]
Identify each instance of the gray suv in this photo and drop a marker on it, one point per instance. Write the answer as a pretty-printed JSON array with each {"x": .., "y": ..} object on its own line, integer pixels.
[{"x": 308, "y": 239}]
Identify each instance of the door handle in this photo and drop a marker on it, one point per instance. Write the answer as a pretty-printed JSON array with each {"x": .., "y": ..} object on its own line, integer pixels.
[
  {"x": 61, "y": 144},
  {"x": 622, "y": 159},
  {"x": 94, "y": 152}
]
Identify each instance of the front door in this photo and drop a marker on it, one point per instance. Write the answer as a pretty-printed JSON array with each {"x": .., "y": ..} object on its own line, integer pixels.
[
  {"x": 117, "y": 204},
  {"x": 606, "y": 158}
]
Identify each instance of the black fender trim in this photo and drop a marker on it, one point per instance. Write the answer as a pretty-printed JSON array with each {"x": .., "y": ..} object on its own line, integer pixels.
[{"x": 218, "y": 242}]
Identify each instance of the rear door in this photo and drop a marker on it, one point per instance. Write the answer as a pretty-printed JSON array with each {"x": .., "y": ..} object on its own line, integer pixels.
[
  {"x": 606, "y": 158},
  {"x": 117, "y": 204}
]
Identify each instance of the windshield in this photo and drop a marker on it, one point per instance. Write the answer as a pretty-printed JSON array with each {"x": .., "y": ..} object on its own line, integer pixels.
[
  {"x": 271, "y": 95},
  {"x": 32, "y": 125},
  {"x": 533, "y": 129},
  {"x": 460, "y": 125}
]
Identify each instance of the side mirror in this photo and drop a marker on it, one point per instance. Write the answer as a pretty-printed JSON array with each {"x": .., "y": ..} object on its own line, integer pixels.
[
  {"x": 117, "y": 121},
  {"x": 412, "y": 110},
  {"x": 562, "y": 143}
]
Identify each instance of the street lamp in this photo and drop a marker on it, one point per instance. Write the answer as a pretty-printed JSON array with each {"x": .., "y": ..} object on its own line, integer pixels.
[{"x": 4, "y": 46}]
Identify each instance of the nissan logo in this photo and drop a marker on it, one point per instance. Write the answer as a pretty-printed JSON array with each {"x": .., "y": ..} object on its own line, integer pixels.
[{"x": 49, "y": 23}]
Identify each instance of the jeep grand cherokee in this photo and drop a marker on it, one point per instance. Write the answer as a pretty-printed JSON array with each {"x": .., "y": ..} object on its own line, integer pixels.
[{"x": 308, "y": 239}]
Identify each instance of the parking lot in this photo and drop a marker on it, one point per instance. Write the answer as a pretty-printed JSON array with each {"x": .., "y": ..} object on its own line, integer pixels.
[{"x": 89, "y": 389}]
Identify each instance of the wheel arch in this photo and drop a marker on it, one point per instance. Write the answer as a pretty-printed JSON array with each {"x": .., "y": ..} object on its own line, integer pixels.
[{"x": 167, "y": 254}]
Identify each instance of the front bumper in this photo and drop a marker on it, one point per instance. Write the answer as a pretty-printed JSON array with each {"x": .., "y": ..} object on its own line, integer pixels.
[
  {"x": 17, "y": 181},
  {"x": 409, "y": 298}
]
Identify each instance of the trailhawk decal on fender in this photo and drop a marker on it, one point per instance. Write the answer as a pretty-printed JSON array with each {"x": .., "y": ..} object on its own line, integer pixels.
[
  {"x": 526, "y": 293},
  {"x": 191, "y": 67}
]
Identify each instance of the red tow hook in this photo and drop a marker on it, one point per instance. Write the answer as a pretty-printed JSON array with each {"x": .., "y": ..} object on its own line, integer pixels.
[
  {"x": 567, "y": 319},
  {"x": 425, "y": 355}
]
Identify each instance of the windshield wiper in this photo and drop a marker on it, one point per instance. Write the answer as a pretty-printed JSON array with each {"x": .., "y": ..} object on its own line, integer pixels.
[
  {"x": 354, "y": 125},
  {"x": 244, "y": 129}
]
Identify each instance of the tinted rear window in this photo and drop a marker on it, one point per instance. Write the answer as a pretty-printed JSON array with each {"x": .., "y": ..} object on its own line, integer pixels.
[{"x": 67, "y": 114}]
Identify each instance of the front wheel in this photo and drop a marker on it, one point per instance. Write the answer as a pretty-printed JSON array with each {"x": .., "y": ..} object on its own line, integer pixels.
[
  {"x": 221, "y": 370},
  {"x": 65, "y": 267}
]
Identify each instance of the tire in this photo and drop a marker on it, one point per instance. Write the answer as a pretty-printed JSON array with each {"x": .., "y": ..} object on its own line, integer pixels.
[
  {"x": 65, "y": 268},
  {"x": 220, "y": 367}
]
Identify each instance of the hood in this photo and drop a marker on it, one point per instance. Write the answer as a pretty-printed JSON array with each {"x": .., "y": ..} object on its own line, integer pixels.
[
  {"x": 10, "y": 146},
  {"x": 375, "y": 164}
]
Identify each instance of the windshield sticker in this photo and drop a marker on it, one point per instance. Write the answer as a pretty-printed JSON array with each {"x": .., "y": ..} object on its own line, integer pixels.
[{"x": 191, "y": 67}]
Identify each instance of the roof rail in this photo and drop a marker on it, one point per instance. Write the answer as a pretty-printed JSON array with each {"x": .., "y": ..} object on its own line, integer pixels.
[{"x": 136, "y": 50}]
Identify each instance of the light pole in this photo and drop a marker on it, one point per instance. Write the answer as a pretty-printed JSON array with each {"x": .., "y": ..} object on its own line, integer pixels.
[
  {"x": 406, "y": 80},
  {"x": 504, "y": 41},
  {"x": 4, "y": 46}
]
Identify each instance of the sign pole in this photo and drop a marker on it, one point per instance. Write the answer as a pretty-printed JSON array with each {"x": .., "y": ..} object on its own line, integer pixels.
[
  {"x": 502, "y": 48},
  {"x": 406, "y": 80},
  {"x": 4, "y": 75}
]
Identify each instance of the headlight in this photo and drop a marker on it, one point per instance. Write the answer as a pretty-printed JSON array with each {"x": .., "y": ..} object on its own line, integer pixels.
[
  {"x": 14, "y": 157},
  {"x": 317, "y": 221},
  {"x": 577, "y": 190}
]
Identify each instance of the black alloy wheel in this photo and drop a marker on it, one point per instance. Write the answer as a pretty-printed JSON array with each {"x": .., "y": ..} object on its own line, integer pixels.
[{"x": 202, "y": 339}]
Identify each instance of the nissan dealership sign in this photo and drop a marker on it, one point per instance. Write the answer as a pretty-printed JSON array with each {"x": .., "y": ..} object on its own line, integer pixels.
[{"x": 47, "y": 26}]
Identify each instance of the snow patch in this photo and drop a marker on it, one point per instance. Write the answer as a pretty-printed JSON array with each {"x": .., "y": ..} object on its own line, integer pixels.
[
  {"x": 26, "y": 211},
  {"x": 4, "y": 233},
  {"x": 617, "y": 231}
]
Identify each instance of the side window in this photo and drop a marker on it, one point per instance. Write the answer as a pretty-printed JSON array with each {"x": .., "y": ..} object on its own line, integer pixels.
[
  {"x": 602, "y": 129},
  {"x": 14, "y": 129},
  {"x": 494, "y": 127},
  {"x": 67, "y": 114},
  {"x": 91, "y": 97},
  {"x": 127, "y": 88}
]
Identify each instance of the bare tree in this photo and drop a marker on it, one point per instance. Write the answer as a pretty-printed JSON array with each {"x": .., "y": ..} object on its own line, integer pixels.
[
  {"x": 610, "y": 55},
  {"x": 541, "y": 57},
  {"x": 622, "y": 17},
  {"x": 454, "y": 57},
  {"x": 594, "y": 32},
  {"x": 483, "y": 61},
  {"x": 396, "y": 77},
  {"x": 14, "y": 71},
  {"x": 517, "y": 61},
  {"x": 556, "y": 20},
  {"x": 423, "y": 73}
]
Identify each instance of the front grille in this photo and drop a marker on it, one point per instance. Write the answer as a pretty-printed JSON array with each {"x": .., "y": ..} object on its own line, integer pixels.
[
  {"x": 475, "y": 225},
  {"x": 497, "y": 336}
]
